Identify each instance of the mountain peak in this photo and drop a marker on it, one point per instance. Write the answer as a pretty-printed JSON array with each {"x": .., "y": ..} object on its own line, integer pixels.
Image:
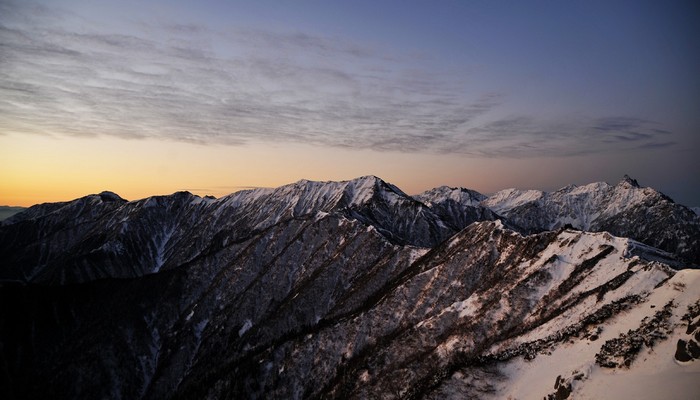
[
  {"x": 628, "y": 181},
  {"x": 110, "y": 196},
  {"x": 466, "y": 197},
  {"x": 368, "y": 178},
  {"x": 367, "y": 181},
  {"x": 369, "y": 184},
  {"x": 568, "y": 188}
]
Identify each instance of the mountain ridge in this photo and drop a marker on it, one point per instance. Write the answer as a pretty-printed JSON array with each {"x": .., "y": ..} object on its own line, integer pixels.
[
  {"x": 422, "y": 220},
  {"x": 625, "y": 209},
  {"x": 332, "y": 290},
  {"x": 61, "y": 242}
]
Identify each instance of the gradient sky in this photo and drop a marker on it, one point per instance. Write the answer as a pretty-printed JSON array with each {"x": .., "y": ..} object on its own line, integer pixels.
[{"x": 151, "y": 97}]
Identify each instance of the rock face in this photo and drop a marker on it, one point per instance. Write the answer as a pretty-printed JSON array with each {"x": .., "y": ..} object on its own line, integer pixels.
[
  {"x": 326, "y": 290},
  {"x": 625, "y": 209}
]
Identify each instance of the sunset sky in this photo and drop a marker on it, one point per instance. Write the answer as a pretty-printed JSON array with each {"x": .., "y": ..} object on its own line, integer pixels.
[{"x": 152, "y": 97}]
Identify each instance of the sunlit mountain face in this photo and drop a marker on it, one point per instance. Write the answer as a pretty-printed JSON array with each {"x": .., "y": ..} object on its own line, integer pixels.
[{"x": 352, "y": 289}]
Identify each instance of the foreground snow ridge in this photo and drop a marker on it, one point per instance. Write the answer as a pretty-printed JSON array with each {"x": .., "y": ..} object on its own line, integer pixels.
[{"x": 353, "y": 290}]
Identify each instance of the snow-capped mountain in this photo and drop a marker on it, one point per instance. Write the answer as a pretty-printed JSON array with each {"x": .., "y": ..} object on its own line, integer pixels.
[
  {"x": 463, "y": 196},
  {"x": 103, "y": 235},
  {"x": 625, "y": 209},
  {"x": 333, "y": 290},
  {"x": 458, "y": 207},
  {"x": 367, "y": 199}
]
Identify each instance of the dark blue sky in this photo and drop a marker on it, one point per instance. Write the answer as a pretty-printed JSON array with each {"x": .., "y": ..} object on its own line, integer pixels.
[{"x": 539, "y": 86}]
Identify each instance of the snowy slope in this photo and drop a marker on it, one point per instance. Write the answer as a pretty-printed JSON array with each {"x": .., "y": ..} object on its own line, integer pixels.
[
  {"x": 654, "y": 373},
  {"x": 573, "y": 312}
]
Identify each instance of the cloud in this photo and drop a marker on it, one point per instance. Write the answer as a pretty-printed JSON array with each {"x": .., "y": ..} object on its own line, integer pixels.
[
  {"x": 522, "y": 136},
  {"x": 656, "y": 145},
  {"x": 190, "y": 83},
  {"x": 627, "y": 129},
  {"x": 635, "y": 132}
]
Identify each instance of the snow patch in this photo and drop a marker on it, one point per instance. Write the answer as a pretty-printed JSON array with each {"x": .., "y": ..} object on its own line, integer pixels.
[
  {"x": 161, "y": 247},
  {"x": 246, "y": 326}
]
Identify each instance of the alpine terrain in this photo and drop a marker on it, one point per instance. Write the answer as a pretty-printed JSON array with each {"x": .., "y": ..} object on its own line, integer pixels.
[{"x": 353, "y": 290}]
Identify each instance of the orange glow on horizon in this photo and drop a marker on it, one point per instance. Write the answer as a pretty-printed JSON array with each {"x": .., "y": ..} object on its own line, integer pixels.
[{"x": 38, "y": 168}]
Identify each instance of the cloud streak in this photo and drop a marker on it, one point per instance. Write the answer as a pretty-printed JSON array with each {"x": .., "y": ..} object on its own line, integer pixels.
[{"x": 189, "y": 83}]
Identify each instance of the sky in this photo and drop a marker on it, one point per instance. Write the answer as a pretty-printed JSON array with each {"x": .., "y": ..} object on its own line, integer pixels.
[{"x": 152, "y": 97}]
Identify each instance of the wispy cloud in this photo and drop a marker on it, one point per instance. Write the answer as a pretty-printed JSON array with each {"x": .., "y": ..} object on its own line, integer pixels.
[
  {"x": 521, "y": 136},
  {"x": 187, "y": 82},
  {"x": 633, "y": 132}
]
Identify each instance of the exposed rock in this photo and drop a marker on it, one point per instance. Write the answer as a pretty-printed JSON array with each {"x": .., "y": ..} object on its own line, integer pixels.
[
  {"x": 621, "y": 351},
  {"x": 682, "y": 353}
]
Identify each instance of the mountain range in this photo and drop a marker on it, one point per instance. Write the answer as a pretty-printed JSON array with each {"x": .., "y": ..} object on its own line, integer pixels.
[
  {"x": 8, "y": 211},
  {"x": 353, "y": 289}
]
